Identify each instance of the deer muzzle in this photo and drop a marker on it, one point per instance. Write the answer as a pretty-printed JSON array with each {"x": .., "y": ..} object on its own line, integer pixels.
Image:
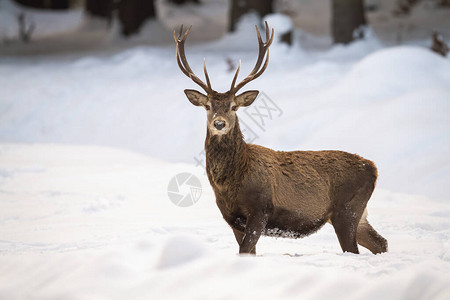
[{"x": 219, "y": 124}]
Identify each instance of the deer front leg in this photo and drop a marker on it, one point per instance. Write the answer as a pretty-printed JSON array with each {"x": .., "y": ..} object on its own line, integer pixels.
[
  {"x": 239, "y": 235},
  {"x": 255, "y": 226}
]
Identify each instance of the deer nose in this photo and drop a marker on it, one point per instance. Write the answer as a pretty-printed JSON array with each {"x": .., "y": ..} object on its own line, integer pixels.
[{"x": 219, "y": 125}]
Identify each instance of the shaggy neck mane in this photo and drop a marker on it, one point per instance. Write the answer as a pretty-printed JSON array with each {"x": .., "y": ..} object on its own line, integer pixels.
[{"x": 226, "y": 156}]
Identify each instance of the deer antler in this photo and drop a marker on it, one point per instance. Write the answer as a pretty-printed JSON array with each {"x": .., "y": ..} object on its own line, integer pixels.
[
  {"x": 256, "y": 72},
  {"x": 184, "y": 65}
]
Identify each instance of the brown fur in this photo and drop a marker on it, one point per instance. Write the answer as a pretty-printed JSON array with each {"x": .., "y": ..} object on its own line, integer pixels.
[
  {"x": 290, "y": 194},
  {"x": 276, "y": 193}
]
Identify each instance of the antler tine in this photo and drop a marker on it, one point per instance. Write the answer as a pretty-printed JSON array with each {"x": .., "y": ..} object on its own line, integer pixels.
[
  {"x": 263, "y": 52},
  {"x": 206, "y": 73},
  {"x": 266, "y": 63},
  {"x": 179, "y": 35},
  {"x": 269, "y": 35},
  {"x": 180, "y": 65},
  {"x": 180, "y": 45},
  {"x": 258, "y": 35},
  {"x": 175, "y": 36},
  {"x": 235, "y": 76},
  {"x": 183, "y": 63}
]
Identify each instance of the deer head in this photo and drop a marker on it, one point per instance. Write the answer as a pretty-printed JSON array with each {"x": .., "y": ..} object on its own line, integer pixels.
[{"x": 221, "y": 107}]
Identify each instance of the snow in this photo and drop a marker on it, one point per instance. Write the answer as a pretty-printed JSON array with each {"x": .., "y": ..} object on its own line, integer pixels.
[
  {"x": 87, "y": 222},
  {"x": 406, "y": 116},
  {"x": 279, "y": 22},
  {"x": 90, "y": 143}
]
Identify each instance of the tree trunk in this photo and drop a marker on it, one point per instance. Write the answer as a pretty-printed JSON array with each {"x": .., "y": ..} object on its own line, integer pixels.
[
  {"x": 347, "y": 17},
  {"x": 100, "y": 8},
  {"x": 242, "y": 7},
  {"x": 45, "y": 4},
  {"x": 133, "y": 13}
]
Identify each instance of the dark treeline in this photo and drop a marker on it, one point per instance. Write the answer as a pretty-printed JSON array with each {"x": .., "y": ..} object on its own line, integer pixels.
[{"x": 347, "y": 16}]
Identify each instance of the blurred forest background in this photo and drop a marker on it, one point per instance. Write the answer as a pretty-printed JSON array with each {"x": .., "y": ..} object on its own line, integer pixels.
[{"x": 72, "y": 25}]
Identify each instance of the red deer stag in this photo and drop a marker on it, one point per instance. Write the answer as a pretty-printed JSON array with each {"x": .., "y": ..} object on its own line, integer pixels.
[{"x": 260, "y": 191}]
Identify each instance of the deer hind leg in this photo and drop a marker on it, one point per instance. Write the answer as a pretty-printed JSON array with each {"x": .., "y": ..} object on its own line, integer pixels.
[
  {"x": 345, "y": 227},
  {"x": 346, "y": 216},
  {"x": 367, "y": 237}
]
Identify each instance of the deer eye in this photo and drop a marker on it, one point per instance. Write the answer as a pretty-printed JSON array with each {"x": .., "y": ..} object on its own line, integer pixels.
[
  {"x": 234, "y": 108},
  {"x": 207, "y": 107}
]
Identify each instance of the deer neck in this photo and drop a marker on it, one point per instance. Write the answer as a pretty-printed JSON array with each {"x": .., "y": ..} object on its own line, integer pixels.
[{"x": 226, "y": 157}]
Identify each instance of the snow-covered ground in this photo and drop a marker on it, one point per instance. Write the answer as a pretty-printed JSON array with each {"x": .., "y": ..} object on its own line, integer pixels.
[
  {"x": 89, "y": 145},
  {"x": 85, "y": 222}
]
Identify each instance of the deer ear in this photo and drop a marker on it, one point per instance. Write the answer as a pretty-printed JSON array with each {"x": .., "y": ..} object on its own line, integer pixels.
[
  {"x": 196, "y": 98},
  {"x": 246, "y": 98}
]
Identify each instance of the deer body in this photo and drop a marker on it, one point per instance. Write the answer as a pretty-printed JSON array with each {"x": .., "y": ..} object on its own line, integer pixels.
[{"x": 260, "y": 191}]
